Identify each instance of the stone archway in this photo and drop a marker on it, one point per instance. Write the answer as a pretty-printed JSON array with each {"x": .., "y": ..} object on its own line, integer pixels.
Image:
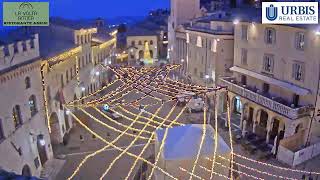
[
  {"x": 26, "y": 171},
  {"x": 141, "y": 53},
  {"x": 236, "y": 105},
  {"x": 55, "y": 128}
]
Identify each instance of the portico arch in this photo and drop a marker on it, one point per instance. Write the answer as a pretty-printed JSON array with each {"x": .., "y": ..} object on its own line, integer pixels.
[
  {"x": 55, "y": 128},
  {"x": 26, "y": 171}
]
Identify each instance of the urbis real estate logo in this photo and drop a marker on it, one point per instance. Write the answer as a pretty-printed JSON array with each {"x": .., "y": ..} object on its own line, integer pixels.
[{"x": 290, "y": 13}]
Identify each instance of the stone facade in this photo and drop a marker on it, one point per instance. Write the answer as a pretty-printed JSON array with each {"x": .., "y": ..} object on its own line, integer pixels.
[{"x": 25, "y": 144}]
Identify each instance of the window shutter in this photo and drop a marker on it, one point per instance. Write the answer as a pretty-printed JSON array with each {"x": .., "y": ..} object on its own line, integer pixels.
[{"x": 293, "y": 71}]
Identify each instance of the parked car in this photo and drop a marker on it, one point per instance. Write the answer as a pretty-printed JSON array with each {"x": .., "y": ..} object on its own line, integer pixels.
[
  {"x": 112, "y": 114},
  {"x": 195, "y": 105},
  {"x": 183, "y": 96}
]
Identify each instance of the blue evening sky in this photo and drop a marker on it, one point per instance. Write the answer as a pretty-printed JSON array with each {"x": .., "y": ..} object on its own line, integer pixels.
[{"x": 76, "y": 9}]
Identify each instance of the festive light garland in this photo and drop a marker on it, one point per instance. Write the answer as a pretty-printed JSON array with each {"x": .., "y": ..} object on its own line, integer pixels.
[
  {"x": 215, "y": 133},
  {"x": 120, "y": 124},
  {"x": 163, "y": 141},
  {"x": 253, "y": 169},
  {"x": 230, "y": 135},
  {"x": 106, "y": 125},
  {"x": 232, "y": 161},
  {"x": 204, "y": 131},
  {"x": 44, "y": 94},
  {"x": 118, "y": 148},
  {"x": 130, "y": 145}
]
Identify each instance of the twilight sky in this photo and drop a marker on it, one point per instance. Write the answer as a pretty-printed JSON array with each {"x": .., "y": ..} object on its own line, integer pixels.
[
  {"x": 105, "y": 8},
  {"x": 76, "y": 9}
]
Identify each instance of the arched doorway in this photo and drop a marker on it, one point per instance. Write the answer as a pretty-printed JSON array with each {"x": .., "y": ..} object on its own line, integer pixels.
[
  {"x": 55, "y": 128},
  {"x": 26, "y": 171},
  {"x": 66, "y": 120},
  {"x": 237, "y": 105},
  {"x": 141, "y": 53},
  {"x": 151, "y": 53},
  {"x": 42, "y": 149}
]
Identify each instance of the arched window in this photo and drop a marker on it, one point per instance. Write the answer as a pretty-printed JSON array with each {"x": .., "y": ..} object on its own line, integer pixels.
[
  {"x": 151, "y": 42},
  {"x": 151, "y": 53},
  {"x": 33, "y": 105},
  {"x": 140, "y": 43},
  {"x": 1, "y": 131},
  {"x": 67, "y": 76},
  {"x": 16, "y": 114},
  {"x": 133, "y": 43},
  {"x": 27, "y": 82}
]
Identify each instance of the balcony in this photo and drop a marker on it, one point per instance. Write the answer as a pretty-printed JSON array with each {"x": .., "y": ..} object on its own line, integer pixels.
[{"x": 276, "y": 104}]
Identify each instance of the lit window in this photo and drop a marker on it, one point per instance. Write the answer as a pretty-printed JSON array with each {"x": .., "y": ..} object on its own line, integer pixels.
[
  {"x": 27, "y": 82},
  {"x": 300, "y": 41},
  {"x": 244, "y": 32},
  {"x": 268, "y": 61},
  {"x": 298, "y": 71},
  {"x": 270, "y": 36},
  {"x": 199, "y": 41},
  {"x": 244, "y": 56},
  {"x": 16, "y": 115},
  {"x": 33, "y": 105}
]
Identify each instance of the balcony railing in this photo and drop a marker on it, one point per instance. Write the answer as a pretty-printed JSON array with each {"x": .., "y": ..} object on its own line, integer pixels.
[{"x": 274, "y": 104}]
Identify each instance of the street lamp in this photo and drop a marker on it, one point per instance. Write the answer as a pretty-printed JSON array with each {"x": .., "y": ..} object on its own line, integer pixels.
[
  {"x": 97, "y": 73},
  {"x": 206, "y": 77},
  {"x": 236, "y": 21}
]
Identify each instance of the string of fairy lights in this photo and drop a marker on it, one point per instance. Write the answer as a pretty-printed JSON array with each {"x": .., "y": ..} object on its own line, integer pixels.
[{"x": 130, "y": 85}]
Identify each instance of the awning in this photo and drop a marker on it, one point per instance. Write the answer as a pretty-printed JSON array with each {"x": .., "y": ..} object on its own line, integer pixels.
[{"x": 296, "y": 89}]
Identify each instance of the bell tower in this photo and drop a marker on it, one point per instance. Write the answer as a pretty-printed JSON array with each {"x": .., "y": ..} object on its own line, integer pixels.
[{"x": 181, "y": 11}]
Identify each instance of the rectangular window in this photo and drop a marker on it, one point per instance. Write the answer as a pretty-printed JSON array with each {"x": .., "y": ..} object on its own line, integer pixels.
[
  {"x": 298, "y": 71},
  {"x": 300, "y": 41},
  {"x": 195, "y": 71},
  {"x": 270, "y": 36},
  {"x": 244, "y": 56},
  {"x": 268, "y": 61},
  {"x": 244, "y": 32},
  {"x": 199, "y": 41},
  {"x": 201, "y": 75},
  {"x": 1, "y": 131}
]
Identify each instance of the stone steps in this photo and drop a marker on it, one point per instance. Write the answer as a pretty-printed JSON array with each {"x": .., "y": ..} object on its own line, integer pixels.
[{"x": 51, "y": 169}]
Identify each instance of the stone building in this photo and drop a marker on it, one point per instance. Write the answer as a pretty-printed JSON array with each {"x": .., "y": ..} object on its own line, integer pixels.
[
  {"x": 274, "y": 87},
  {"x": 25, "y": 145},
  {"x": 137, "y": 40}
]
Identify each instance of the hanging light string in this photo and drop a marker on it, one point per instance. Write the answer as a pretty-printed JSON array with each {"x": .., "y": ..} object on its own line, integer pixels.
[
  {"x": 132, "y": 142},
  {"x": 277, "y": 167},
  {"x": 108, "y": 126},
  {"x": 230, "y": 135},
  {"x": 44, "y": 94},
  {"x": 226, "y": 167},
  {"x": 163, "y": 122},
  {"x": 116, "y": 147},
  {"x": 98, "y": 151},
  {"x": 140, "y": 75},
  {"x": 204, "y": 131},
  {"x": 127, "y": 148},
  {"x": 103, "y": 98},
  {"x": 104, "y": 148},
  {"x": 120, "y": 124},
  {"x": 163, "y": 140},
  {"x": 252, "y": 169},
  {"x": 216, "y": 135}
]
